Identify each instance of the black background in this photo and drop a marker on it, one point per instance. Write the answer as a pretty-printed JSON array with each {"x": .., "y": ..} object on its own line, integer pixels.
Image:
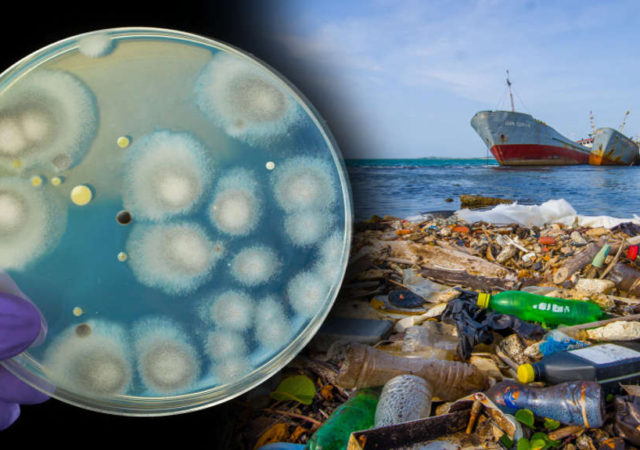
[{"x": 32, "y": 25}]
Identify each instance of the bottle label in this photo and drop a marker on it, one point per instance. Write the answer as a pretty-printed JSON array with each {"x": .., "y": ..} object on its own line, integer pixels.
[
  {"x": 605, "y": 354},
  {"x": 548, "y": 306}
]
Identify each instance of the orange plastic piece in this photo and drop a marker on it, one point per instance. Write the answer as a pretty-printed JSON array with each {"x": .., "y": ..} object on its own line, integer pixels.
[
  {"x": 460, "y": 229},
  {"x": 403, "y": 232},
  {"x": 547, "y": 240}
]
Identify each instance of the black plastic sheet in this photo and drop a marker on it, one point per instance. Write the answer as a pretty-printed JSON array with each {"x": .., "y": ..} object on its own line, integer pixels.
[{"x": 476, "y": 325}]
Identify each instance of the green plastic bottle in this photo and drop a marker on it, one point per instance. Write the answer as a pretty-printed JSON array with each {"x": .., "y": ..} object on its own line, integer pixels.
[
  {"x": 357, "y": 413},
  {"x": 538, "y": 308}
]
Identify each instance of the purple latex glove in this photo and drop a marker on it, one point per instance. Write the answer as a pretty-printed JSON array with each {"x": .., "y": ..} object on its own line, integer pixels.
[{"x": 20, "y": 326}]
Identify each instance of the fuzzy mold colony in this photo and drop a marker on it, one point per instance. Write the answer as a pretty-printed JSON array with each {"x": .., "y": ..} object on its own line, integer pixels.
[{"x": 181, "y": 227}]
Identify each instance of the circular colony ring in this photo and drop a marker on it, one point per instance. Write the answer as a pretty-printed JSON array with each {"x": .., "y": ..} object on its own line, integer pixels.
[{"x": 182, "y": 223}]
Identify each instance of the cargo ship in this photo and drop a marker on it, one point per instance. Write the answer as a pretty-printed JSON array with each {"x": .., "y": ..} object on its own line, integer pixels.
[
  {"x": 612, "y": 148},
  {"x": 518, "y": 139}
]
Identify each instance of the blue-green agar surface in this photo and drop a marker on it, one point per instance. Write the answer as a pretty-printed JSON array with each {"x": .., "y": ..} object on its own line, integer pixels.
[{"x": 239, "y": 212}]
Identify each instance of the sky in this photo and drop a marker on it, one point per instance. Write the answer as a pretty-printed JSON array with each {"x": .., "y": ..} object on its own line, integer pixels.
[{"x": 404, "y": 77}]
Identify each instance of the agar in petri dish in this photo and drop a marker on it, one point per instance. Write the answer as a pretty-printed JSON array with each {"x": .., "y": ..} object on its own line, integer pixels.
[{"x": 232, "y": 218}]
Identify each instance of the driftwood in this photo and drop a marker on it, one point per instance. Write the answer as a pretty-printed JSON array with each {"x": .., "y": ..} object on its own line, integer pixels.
[
  {"x": 461, "y": 277},
  {"x": 435, "y": 257},
  {"x": 576, "y": 263},
  {"x": 581, "y": 260}
]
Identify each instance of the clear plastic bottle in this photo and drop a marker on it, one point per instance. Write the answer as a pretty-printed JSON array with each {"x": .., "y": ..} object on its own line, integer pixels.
[
  {"x": 404, "y": 398},
  {"x": 538, "y": 308},
  {"x": 357, "y": 413},
  {"x": 430, "y": 335},
  {"x": 576, "y": 403},
  {"x": 365, "y": 366}
]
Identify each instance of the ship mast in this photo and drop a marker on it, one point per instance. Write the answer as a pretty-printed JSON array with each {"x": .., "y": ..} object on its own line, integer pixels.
[
  {"x": 624, "y": 121},
  {"x": 593, "y": 127},
  {"x": 510, "y": 93}
]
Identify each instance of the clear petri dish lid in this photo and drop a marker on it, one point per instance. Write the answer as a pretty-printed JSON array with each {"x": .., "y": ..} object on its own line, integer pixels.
[{"x": 178, "y": 212}]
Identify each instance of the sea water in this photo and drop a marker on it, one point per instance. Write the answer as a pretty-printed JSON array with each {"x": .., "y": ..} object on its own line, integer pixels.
[
  {"x": 407, "y": 187},
  {"x": 174, "y": 209}
]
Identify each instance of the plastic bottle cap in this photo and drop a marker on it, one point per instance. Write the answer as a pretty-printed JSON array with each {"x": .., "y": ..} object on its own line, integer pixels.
[
  {"x": 632, "y": 253},
  {"x": 526, "y": 374},
  {"x": 483, "y": 299}
]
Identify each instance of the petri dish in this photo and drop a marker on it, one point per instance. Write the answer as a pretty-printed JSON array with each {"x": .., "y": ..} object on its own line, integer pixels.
[{"x": 177, "y": 211}]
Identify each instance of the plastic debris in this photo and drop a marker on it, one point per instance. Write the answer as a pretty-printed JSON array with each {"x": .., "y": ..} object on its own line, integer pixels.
[
  {"x": 447, "y": 262},
  {"x": 577, "y": 403},
  {"x": 475, "y": 325},
  {"x": 556, "y": 341},
  {"x": 404, "y": 398}
]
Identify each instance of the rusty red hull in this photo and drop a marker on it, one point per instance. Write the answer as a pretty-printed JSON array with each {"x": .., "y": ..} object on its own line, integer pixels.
[{"x": 537, "y": 155}]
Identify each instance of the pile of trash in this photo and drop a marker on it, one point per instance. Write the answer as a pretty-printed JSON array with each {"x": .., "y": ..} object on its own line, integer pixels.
[{"x": 451, "y": 334}]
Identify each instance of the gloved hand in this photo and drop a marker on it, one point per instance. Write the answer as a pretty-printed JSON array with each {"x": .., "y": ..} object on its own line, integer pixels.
[{"x": 20, "y": 326}]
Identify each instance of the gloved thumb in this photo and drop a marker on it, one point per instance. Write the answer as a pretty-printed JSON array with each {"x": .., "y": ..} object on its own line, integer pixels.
[{"x": 20, "y": 325}]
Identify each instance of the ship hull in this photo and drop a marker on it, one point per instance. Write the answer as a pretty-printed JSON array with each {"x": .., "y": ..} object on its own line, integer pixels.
[
  {"x": 612, "y": 148},
  {"x": 517, "y": 139},
  {"x": 537, "y": 155}
]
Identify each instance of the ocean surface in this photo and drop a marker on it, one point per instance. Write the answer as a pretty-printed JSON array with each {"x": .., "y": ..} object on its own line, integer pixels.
[{"x": 406, "y": 187}]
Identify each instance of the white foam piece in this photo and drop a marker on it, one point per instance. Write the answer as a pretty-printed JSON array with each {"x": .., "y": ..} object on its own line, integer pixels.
[
  {"x": 307, "y": 227},
  {"x": 245, "y": 99},
  {"x": 236, "y": 207},
  {"x": 96, "y": 45},
  {"x": 272, "y": 327},
  {"x": 98, "y": 363},
  {"x": 307, "y": 292},
  {"x": 167, "y": 361},
  {"x": 49, "y": 112},
  {"x": 167, "y": 174},
  {"x": 223, "y": 344},
  {"x": 329, "y": 263},
  {"x": 255, "y": 265},
  {"x": 176, "y": 258},
  {"x": 232, "y": 309},
  {"x": 304, "y": 182},
  {"x": 31, "y": 223}
]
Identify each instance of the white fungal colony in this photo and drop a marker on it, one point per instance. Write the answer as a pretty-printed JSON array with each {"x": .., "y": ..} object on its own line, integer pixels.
[
  {"x": 232, "y": 369},
  {"x": 166, "y": 175},
  {"x": 167, "y": 361},
  {"x": 224, "y": 344},
  {"x": 231, "y": 310},
  {"x": 245, "y": 99},
  {"x": 329, "y": 264},
  {"x": 96, "y": 45},
  {"x": 307, "y": 292},
  {"x": 308, "y": 226},
  {"x": 177, "y": 258},
  {"x": 304, "y": 182},
  {"x": 95, "y": 361},
  {"x": 255, "y": 265},
  {"x": 272, "y": 327},
  {"x": 31, "y": 223},
  {"x": 47, "y": 114},
  {"x": 235, "y": 209}
]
